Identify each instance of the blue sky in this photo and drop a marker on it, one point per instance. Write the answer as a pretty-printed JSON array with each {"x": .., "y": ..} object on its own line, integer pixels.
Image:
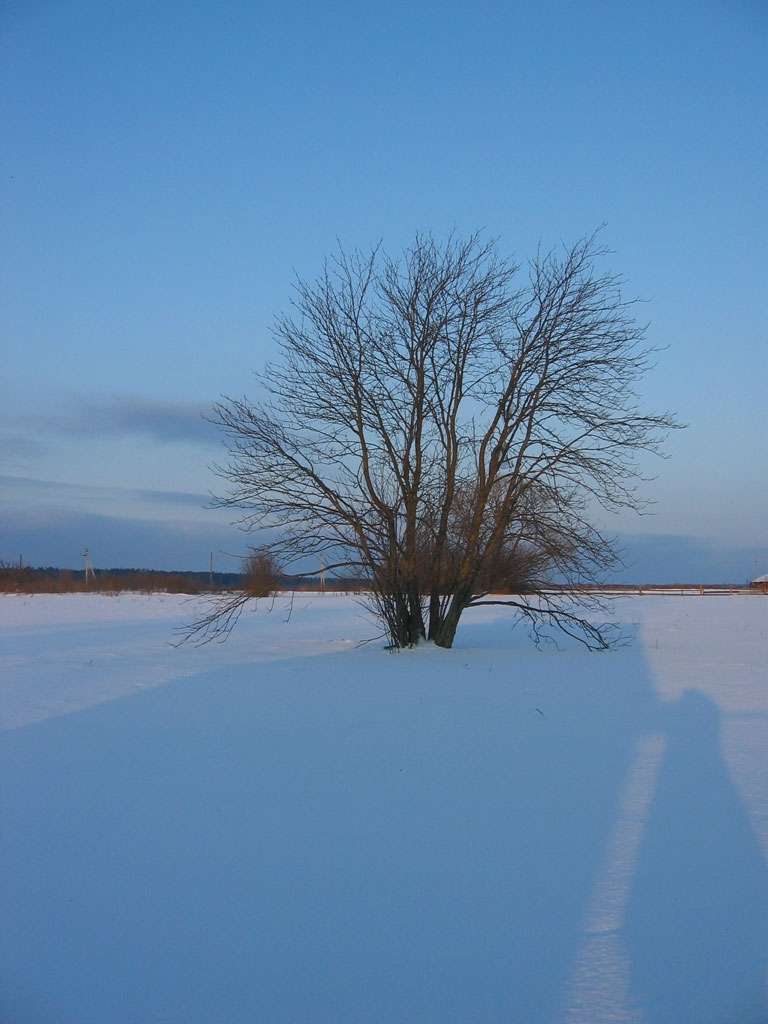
[{"x": 168, "y": 166}]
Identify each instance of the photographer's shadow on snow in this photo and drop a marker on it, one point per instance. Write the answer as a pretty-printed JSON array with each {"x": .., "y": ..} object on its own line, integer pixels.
[{"x": 697, "y": 913}]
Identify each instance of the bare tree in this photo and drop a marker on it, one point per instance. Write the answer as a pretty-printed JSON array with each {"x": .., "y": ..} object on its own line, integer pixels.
[
  {"x": 442, "y": 425},
  {"x": 261, "y": 573}
]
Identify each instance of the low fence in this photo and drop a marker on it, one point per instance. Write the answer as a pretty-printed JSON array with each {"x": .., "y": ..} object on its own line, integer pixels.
[{"x": 678, "y": 589}]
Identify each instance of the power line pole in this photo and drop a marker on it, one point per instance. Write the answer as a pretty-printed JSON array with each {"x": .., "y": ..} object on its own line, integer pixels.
[{"x": 88, "y": 567}]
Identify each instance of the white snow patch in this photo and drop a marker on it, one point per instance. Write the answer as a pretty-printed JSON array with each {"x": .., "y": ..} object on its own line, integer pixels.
[{"x": 293, "y": 827}]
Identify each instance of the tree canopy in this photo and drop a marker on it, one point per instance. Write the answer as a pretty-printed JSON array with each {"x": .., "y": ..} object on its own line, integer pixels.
[{"x": 443, "y": 424}]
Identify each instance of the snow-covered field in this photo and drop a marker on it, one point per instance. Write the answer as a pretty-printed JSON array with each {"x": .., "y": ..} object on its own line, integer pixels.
[{"x": 292, "y": 828}]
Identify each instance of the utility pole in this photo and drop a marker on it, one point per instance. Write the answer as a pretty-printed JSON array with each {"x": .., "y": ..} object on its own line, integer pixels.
[{"x": 88, "y": 567}]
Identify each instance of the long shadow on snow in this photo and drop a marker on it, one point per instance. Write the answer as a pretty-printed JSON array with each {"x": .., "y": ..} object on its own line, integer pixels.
[{"x": 698, "y": 911}]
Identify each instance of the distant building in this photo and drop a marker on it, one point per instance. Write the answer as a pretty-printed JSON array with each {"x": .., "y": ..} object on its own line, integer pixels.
[{"x": 760, "y": 583}]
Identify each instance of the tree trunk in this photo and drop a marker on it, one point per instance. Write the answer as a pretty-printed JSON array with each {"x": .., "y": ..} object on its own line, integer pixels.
[
  {"x": 407, "y": 623},
  {"x": 445, "y": 628},
  {"x": 434, "y": 613}
]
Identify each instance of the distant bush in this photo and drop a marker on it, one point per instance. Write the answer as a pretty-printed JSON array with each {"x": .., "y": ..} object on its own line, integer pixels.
[{"x": 261, "y": 573}]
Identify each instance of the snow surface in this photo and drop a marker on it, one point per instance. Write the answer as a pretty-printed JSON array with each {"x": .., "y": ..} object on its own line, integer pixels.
[{"x": 289, "y": 827}]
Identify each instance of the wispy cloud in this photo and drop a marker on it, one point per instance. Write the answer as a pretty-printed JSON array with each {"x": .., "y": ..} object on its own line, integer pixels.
[
  {"x": 124, "y": 415},
  {"x": 24, "y": 489},
  {"x": 19, "y": 446},
  {"x": 189, "y": 498},
  {"x": 29, "y": 439}
]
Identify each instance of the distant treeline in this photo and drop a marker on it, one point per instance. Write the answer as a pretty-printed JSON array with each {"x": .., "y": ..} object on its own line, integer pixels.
[
  {"x": 51, "y": 580},
  {"x": 26, "y": 580}
]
